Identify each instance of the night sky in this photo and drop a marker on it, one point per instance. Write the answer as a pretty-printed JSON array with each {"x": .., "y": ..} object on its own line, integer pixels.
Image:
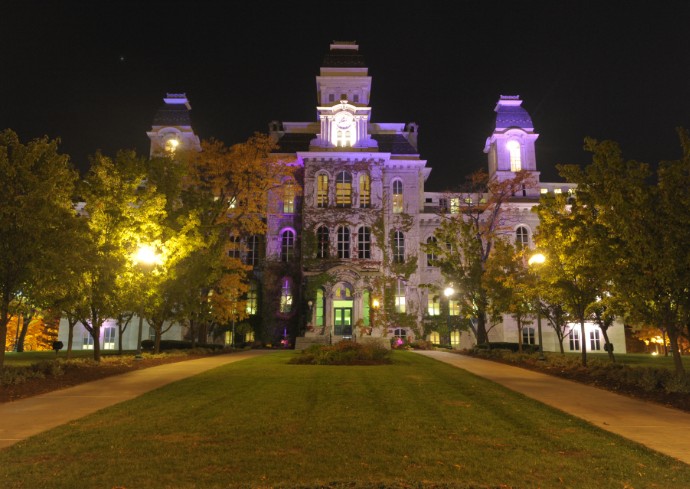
[{"x": 94, "y": 75}]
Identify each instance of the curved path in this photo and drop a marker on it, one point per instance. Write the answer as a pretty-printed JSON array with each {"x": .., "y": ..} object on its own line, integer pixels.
[
  {"x": 26, "y": 417},
  {"x": 660, "y": 428}
]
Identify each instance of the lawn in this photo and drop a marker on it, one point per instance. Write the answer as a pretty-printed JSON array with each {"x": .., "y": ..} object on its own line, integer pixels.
[
  {"x": 26, "y": 358},
  {"x": 264, "y": 423}
]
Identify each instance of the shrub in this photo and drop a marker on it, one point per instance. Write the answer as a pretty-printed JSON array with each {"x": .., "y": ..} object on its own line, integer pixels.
[
  {"x": 167, "y": 345},
  {"x": 343, "y": 353}
]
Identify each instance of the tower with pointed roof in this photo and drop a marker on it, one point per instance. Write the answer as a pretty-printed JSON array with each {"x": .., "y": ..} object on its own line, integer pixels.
[{"x": 172, "y": 126}]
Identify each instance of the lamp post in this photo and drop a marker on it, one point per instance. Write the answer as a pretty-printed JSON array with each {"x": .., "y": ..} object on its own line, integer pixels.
[
  {"x": 146, "y": 255},
  {"x": 534, "y": 261},
  {"x": 448, "y": 291}
]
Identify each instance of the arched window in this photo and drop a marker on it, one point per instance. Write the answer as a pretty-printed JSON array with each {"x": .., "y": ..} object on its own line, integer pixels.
[
  {"x": 398, "y": 247},
  {"x": 364, "y": 191},
  {"x": 289, "y": 197},
  {"x": 521, "y": 236},
  {"x": 343, "y": 190},
  {"x": 515, "y": 158},
  {"x": 397, "y": 196},
  {"x": 431, "y": 254},
  {"x": 287, "y": 246},
  {"x": 343, "y": 242},
  {"x": 364, "y": 243},
  {"x": 322, "y": 190},
  {"x": 322, "y": 242},
  {"x": 286, "y": 295}
]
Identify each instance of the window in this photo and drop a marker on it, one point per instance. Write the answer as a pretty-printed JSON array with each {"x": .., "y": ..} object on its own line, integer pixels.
[
  {"x": 364, "y": 243},
  {"x": 87, "y": 341},
  {"x": 433, "y": 307},
  {"x": 594, "y": 340},
  {"x": 286, "y": 296},
  {"x": 364, "y": 191},
  {"x": 515, "y": 159},
  {"x": 252, "y": 298},
  {"x": 331, "y": 97},
  {"x": 574, "y": 338},
  {"x": 152, "y": 334},
  {"x": 400, "y": 297},
  {"x": 400, "y": 333},
  {"x": 322, "y": 190},
  {"x": 431, "y": 254},
  {"x": 454, "y": 307},
  {"x": 251, "y": 256},
  {"x": 289, "y": 197},
  {"x": 455, "y": 337},
  {"x": 521, "y": 236},
  {"x": 287, "y": 246},
  {"x": 322, "y": 242},
  {"x": 343, "y": 190},
  {"x": 455, "y": 205},
  {"x": 398, "y": 247},
  {"x": 435, "y": 338},
  {"x": 234, "y": 246},
  {"x": 397, "y": 196},
  {"x": 366, "y": 307},
  {"x": 343, "y": 242},
  {"x": 319, "y": 307},
  {"x": 109, "y": 338},
  {"x": 528, "y": 336},
  {"x": 355, "y": 98}
]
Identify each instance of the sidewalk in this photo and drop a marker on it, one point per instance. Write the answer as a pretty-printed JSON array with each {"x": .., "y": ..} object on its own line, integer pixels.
[
  {"x": 24, "y": 418},
  {"x": 662, "y": 429}
]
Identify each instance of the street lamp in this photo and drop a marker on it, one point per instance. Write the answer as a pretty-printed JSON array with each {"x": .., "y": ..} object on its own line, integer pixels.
[
  {"x": 146, "y": 255},
  {"x": 534, "y": 262},
  {"x": 448, "y": 291}
]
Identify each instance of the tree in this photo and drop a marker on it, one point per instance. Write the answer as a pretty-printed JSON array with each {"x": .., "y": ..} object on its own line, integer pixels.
[
  {"x": 35, "y": 203},
  {"x": 476, "y": 217}
]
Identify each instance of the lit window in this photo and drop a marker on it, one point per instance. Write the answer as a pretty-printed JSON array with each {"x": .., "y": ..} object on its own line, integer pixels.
[
  {"x": 286, "y": 296},
  {"x": 515, "y": 158},
  {"x": 343, "y": 190},
  {"x": 521, "y": 236},
  {"x": 171, "y": 145},
  {"x": 574, "y": 338},
  {"x": 319, "y": 307},
  {"x": 398, "y": 247},
  {"x": 322, "y": 242},
  {"x": 364, "y": 243},
  {"x": 557, "y": 191},
  {"x": 397, "y": 196},
  {"x": 544, "y": 191},
  {"x": 252, "y": 298},
  {"x": 289, "y": 197},
  {"x": 287, "y": 246},
  {"x": 87, "y": 341},
  {"x": 454, "y": 307},
  {"x": 455, "y": 204},
  {"x": 364, "y": 191},
  {"x": 109, "y": 338},
  {"x": 594, "y": 340},
  {"x": 431, "y": 254},
  {"x": 343, "y": 242},
  {"x": 528, "y": 336},
  {"x": 366, "y": 307},
  {"x": 455, "y": 337},
  {"x": 322, "y": 190},
  {"x": 400, "y": 297},
  {"x": 433, "y": 305}
]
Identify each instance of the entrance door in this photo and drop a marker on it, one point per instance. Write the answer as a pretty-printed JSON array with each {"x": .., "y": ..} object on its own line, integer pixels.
[{"x": 342, "y": 321}]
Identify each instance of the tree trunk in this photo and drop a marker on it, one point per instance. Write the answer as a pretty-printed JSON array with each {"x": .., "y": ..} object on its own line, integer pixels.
[
  {"x": 482, "y": 337},
  {"x": 608, "y": 346},
  {"x": 677, "y": 359},
  {"x": 584, "y": 343},
  {"x": 22, "y": 332},
  {"x": 71, "y": 323},
  {"x": 519, "y": 328},
  {"x": 4, "y": 319}
]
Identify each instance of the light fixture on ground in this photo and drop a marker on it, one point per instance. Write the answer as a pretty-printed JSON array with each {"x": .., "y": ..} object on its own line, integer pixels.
[
  {"x": 535, "y": 261},
  {"x": 448, "y": 292},
  {"x": 146, "y": 257}
]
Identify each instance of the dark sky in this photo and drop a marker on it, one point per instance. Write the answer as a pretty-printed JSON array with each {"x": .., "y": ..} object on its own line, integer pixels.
[{"x": 94, "y": 73}]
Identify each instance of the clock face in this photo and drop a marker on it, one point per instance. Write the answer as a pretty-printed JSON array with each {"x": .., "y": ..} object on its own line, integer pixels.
[{"x": 343, "y": 120}]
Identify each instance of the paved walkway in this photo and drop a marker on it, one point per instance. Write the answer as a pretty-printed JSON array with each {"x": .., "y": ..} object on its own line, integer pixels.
[
  {"x": 662, "y": 429},
  {"x": 27, "y": 417}
]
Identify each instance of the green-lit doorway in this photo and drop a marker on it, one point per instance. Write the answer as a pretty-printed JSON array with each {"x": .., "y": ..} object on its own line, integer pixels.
[{"x": 342, "y": 321}]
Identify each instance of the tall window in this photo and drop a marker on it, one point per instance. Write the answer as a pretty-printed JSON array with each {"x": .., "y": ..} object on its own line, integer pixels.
[
  {"x": 322, "y": 242},
  {"x": 454, "y": 307},
  {"x": 343, "y": 242},
  {"x": 287, "y": 246},
  {"x": 87, "y": 341},
  {"x": 286, "y": 296},
  {"x": 364, "y": 191},
  {"x": 455, "y": 205},
  {"x": 400, "y": 297},
  {"x": 521, "y": 236},
  {"x": 319, "y": 307},
  {"x": 574, "y": 338},
  {"x": 430, "y": 254},
  {"x": 322, "y": 190},
  {"x": 594, "y": 340},
  {"x": 251, "y": 256},
  {"x": 289, "y": 197},
  {"x": 528, "y": 336},
  {"x": 433, "y": 307},
  {"x": 398, "y": 247},
  {"x": 364, "y": 243},
  {"x": 515, "y": 158},
  {"x": 366, "y": 305},
  {"x": 343, "y": 190},
  {"x": 252, "y": 298},
  {"x": 109, "y": 338},
  {"x": 234, "y": 246},
  {"x": 397, "y": 196}
]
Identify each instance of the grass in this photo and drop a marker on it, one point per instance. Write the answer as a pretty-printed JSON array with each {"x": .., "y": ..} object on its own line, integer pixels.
[
  {"x": 264, "y": 423},
  {"x": 26, "y": 358},
  {"x": 639, "y": 359}
]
